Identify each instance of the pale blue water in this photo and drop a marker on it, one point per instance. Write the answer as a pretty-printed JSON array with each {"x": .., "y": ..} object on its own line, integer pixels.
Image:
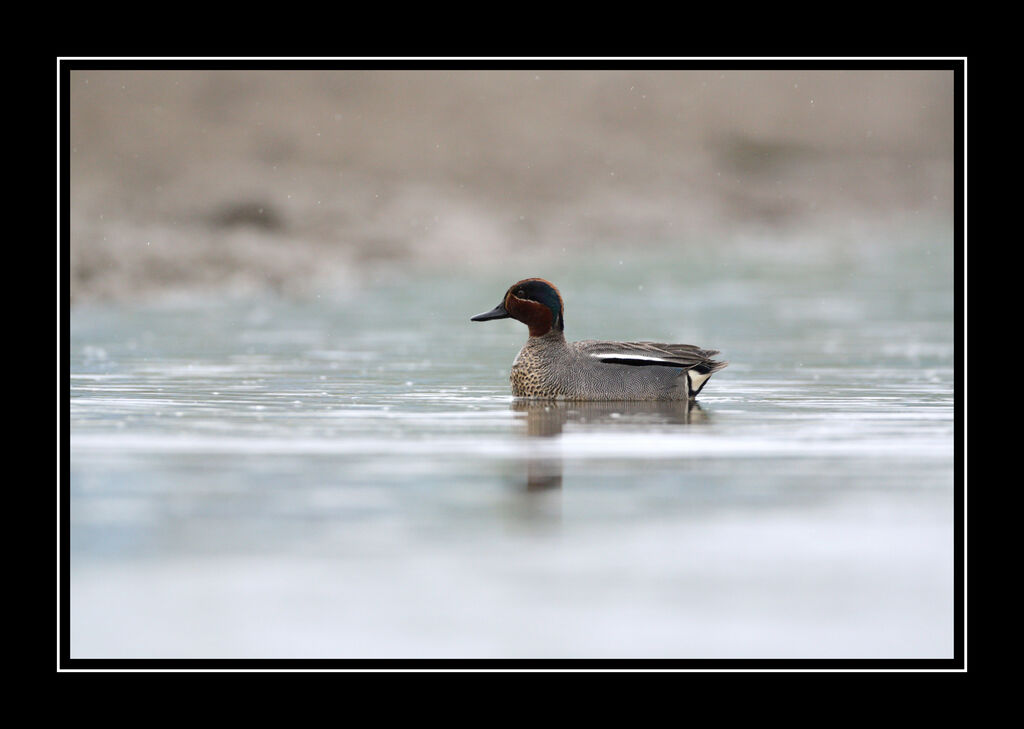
[{"x": 348, "y": 476}]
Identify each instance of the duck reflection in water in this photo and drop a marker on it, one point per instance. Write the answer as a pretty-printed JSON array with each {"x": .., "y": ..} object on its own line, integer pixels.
[{"x": 547, "y": 418}]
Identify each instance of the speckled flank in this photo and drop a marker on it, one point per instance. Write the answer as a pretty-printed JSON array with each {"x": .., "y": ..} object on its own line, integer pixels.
[{"x": 549, "y": 367}]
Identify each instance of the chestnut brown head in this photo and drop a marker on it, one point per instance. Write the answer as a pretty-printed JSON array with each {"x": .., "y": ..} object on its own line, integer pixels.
[{"x": 533, "y": 301}]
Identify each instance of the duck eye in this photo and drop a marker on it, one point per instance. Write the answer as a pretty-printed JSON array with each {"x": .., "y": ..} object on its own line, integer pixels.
[{"x": 520, "y": 293}]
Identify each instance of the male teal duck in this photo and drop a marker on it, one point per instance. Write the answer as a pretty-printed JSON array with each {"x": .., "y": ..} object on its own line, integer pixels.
[{"x": 549, "y": 367}]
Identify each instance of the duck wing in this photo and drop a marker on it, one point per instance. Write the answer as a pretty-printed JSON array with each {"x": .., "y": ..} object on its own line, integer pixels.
[{"x": 641, "y": 354}]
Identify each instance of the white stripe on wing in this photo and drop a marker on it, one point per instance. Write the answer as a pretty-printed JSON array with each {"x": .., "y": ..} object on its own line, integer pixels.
[{"x": 638, "y": 357}]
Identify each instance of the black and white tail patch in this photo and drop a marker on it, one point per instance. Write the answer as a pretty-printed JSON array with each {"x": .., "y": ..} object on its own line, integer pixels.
[{"x": 696, "y": 381}]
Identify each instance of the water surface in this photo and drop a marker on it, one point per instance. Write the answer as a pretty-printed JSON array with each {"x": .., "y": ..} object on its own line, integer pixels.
[{"x": 348, "y": 475}]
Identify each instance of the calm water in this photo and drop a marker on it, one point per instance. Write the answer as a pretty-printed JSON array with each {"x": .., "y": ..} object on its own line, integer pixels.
[{"x": 348, "y": 476}]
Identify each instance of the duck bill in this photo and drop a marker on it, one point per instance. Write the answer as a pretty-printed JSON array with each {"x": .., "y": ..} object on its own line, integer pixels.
[{"x": 498, "y": 312}]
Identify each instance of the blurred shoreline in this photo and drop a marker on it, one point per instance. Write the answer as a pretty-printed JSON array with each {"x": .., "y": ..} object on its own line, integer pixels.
[{"x": 280, "y": 181}]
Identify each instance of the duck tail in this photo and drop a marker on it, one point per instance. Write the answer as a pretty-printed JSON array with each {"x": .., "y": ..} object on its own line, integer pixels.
[{"x": 698, "y": 375}]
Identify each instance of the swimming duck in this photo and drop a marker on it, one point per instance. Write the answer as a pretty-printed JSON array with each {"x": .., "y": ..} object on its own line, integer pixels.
[{"x": 549, "y": 367}]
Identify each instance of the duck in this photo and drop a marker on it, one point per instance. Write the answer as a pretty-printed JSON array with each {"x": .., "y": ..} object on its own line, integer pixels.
[{"x": 549, "y": 367}]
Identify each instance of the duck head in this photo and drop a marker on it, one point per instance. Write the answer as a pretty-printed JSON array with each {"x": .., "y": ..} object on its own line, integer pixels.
[{"x": 533, "y": 301}]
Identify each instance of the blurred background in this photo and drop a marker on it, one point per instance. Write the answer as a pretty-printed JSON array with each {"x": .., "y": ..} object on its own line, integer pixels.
[
  {"x": 285, "y": 180},
  {"x": 288, "y": 439}
]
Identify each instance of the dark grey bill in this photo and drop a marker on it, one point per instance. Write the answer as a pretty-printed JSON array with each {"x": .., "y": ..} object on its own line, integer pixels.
[{"x": 498, "y": 312}]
